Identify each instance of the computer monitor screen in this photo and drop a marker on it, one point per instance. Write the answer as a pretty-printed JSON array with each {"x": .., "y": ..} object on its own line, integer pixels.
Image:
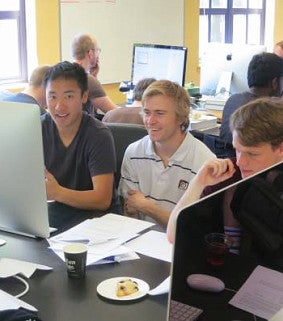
[
  {"x": 219, "y": 60},
  {"x": 252, "y": 201},
  {"x": 159, "y": 62},
  {"x": 23, "y": 203}
]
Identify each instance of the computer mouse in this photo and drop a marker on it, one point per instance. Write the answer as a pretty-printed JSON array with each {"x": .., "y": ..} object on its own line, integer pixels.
[{"x": 204, "y": 282}]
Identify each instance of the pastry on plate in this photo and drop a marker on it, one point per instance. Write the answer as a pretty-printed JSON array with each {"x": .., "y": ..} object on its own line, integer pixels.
[{"x": 126, "y": 287}]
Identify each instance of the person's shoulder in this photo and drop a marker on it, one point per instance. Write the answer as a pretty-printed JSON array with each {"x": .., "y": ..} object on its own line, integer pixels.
[
  {"x": 93, "y": 82},
  {"x": 242, "y": 96},
  {"x": 94, "y": 126},
  {"x": 46, "y": 117},
  {"x": 139, "y": 147}
]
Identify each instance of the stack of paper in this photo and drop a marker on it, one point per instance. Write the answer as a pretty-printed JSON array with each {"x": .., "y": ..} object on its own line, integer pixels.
[
  {"x": 104, "y": 236},
  {"x": 203, "y": 122}
]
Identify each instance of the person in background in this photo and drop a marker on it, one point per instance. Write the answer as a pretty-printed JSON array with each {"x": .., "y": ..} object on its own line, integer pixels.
[
  {"x": 79, "y": 150},
  {"x": 34, "y": 93},
  {"x": 85, "y": 52},
  {"x": 265, "y": 72},
  {"x": 157, "y": 169},
  {"x": 131, "y": 114},
  {"x": 278, "y": 49},
  {"x": 4, "y": 93},
  {"x": 257, "y": 130}
]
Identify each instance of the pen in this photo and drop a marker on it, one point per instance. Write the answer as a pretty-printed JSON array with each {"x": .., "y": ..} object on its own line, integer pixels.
[{"x": 111, "y": 258}]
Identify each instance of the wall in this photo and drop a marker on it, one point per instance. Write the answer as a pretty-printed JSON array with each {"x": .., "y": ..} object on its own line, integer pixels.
[
  {"x": 48, "y": 35},
  {"x": 117, "y": 26},
  {"x": 278, "y": 25},
  {"x": 48, "y": 14}
]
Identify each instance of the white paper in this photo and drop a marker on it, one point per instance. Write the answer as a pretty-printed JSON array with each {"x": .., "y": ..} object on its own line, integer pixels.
[
  {"x": 154, "y": 244},
  {"x": 278, "y": 316},
  {"x": 10, "y": 267},
  {"x": 162, "y": 288},
  {"x": 261, "y": 294},
  {"x": 103, "y": 236},
  {"x": 8, "y": 302}
]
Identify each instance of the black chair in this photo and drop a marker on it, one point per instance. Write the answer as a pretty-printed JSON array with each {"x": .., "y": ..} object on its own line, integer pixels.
[
  {"x": 218, "y": 146},
  {"x": 124, "y": 134}
]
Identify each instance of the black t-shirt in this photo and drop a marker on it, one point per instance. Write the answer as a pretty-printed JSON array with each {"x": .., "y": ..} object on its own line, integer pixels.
[{"x": 90, "y": 153}]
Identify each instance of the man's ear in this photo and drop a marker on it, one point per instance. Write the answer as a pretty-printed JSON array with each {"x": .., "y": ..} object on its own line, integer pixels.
[
  {"x": 85, "y": 96},
  {"x": 275, "y": 83}
]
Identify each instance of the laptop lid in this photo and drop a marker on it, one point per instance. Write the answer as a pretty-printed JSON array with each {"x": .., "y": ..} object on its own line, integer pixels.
[
  {"x": 23, "y": 205},
  {"x": 193, "y": 223}
]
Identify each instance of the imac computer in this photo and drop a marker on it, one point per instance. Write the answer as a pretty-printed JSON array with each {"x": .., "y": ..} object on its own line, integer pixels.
[
  {"x": 159, "y": 62},
  {"x": 23, "y": 202},
  {"x": 224, "y": 68}
]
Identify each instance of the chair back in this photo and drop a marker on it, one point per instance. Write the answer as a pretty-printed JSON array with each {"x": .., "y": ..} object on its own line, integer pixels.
[{"x": 124, "y": 134}]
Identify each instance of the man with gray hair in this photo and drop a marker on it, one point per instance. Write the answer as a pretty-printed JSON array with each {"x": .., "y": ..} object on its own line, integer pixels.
[{"x": 85, "y": 52}]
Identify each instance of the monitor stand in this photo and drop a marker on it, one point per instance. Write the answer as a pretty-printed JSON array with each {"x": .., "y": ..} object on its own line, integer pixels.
[{"x": 2, "y": 242}]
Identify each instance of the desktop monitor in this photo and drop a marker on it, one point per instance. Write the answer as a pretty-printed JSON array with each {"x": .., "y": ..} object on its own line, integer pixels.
[
  {"x": 23, "y": 203},
  {"x": 159, "y": 62},
  {"x": 224, "y": 68},
  {"x": 205, "y": 216}
]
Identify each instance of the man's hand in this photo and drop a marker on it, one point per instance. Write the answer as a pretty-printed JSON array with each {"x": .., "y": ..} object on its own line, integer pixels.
[
  {"x": 52, "y": 186},
  {"x": 214, "y": 172},
  {"x": 135, "y": 203},
  {"x": 94, "y": 70}
]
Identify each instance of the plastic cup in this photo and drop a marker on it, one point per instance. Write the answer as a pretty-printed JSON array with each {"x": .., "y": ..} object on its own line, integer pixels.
[{"x": 217, "y": 248}]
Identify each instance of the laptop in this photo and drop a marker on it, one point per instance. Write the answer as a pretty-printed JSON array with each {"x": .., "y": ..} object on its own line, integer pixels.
[
  {"x": 193, "y": 223},
  {"x": 23, "y": 203}
]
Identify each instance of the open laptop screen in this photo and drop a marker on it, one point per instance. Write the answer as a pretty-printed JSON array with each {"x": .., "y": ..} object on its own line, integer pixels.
[
  {"x": 23, "y": 206},
  {"x": 205, "y": 216}
]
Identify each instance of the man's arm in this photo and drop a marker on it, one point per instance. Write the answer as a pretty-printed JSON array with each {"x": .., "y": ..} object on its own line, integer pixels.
[
  {"x": 98, "y": 198},
  {"x": 211, "y": 173},
  {"x": 103, "y": 103},
  {"x": 137, "y": 203}
]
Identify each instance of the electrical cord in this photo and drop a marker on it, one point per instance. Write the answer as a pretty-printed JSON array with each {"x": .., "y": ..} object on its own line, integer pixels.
[{"x": 25, "y": 284}]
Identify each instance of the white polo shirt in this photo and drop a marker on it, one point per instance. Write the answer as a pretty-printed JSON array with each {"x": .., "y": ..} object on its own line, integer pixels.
[{"x": 143, "y": 170}]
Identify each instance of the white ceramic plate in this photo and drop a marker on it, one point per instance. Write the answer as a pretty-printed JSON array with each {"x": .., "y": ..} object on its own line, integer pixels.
[{"x": 107, "y": 289}]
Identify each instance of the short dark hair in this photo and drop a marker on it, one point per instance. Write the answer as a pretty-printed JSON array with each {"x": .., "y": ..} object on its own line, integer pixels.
[
  {"x": 141, "y": 86},
  {"x": 263, "y": 68},
  {"x": 259, "y": 121},
  {"x": 67, "y": 70}
]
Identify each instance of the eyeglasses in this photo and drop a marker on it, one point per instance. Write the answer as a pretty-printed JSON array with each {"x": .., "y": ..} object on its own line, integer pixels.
[{"x": 97, "y": 50}]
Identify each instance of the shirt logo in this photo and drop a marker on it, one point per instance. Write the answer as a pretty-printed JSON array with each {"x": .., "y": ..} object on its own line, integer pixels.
[{"x": 183, "y": 185}]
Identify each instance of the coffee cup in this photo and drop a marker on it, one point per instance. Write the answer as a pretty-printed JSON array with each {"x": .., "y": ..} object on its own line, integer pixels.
[{"x": 75, "y": 258}]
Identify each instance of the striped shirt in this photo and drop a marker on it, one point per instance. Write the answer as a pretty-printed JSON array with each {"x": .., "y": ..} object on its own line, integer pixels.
[{"x": 143, "y": 170}]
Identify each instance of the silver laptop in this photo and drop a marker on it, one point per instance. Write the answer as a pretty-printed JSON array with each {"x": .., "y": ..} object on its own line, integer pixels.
[
  {"x": 193, "y": 223},
  {"x": 23, "y": 206}
]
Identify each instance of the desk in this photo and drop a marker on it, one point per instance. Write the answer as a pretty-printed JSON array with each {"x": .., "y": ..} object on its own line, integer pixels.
[{"x": 59, "y": 298}]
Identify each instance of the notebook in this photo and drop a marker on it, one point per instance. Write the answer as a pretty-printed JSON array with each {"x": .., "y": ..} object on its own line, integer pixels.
[
  {"x": 23, "y": 205},
  {"x": 193, "y": 223}
]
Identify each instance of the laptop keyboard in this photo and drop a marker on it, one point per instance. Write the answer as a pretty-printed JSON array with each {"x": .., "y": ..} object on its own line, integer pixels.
[{"x": 183, "y": 312}]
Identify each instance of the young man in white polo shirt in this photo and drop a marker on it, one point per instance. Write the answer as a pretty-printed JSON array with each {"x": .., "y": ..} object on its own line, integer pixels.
[{"x": 157, "y": 169}]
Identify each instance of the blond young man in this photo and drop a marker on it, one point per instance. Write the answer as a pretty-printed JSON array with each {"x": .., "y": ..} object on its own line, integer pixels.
[{"x": 157, "y": 169}]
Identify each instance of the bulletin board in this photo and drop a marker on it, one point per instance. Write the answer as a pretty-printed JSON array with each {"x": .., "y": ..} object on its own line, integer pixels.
[{"x": 117, "y": 25}]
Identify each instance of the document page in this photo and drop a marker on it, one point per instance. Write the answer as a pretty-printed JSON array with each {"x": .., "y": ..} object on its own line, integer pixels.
[{"x": 261, "y": 294}]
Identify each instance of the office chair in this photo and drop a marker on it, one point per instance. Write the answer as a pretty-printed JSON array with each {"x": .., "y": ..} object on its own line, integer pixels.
[
  {"x": 124, "y": 134},
  {"x": 218, "y": 146}
]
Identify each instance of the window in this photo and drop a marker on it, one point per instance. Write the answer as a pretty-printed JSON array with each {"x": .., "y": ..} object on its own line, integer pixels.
[
  {"x": 13, "y": 54},
  {"x": 232, "y": 21}
]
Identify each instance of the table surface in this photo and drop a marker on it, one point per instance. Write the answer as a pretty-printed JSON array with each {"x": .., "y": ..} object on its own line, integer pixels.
[{"x": 59, "y": 298}]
